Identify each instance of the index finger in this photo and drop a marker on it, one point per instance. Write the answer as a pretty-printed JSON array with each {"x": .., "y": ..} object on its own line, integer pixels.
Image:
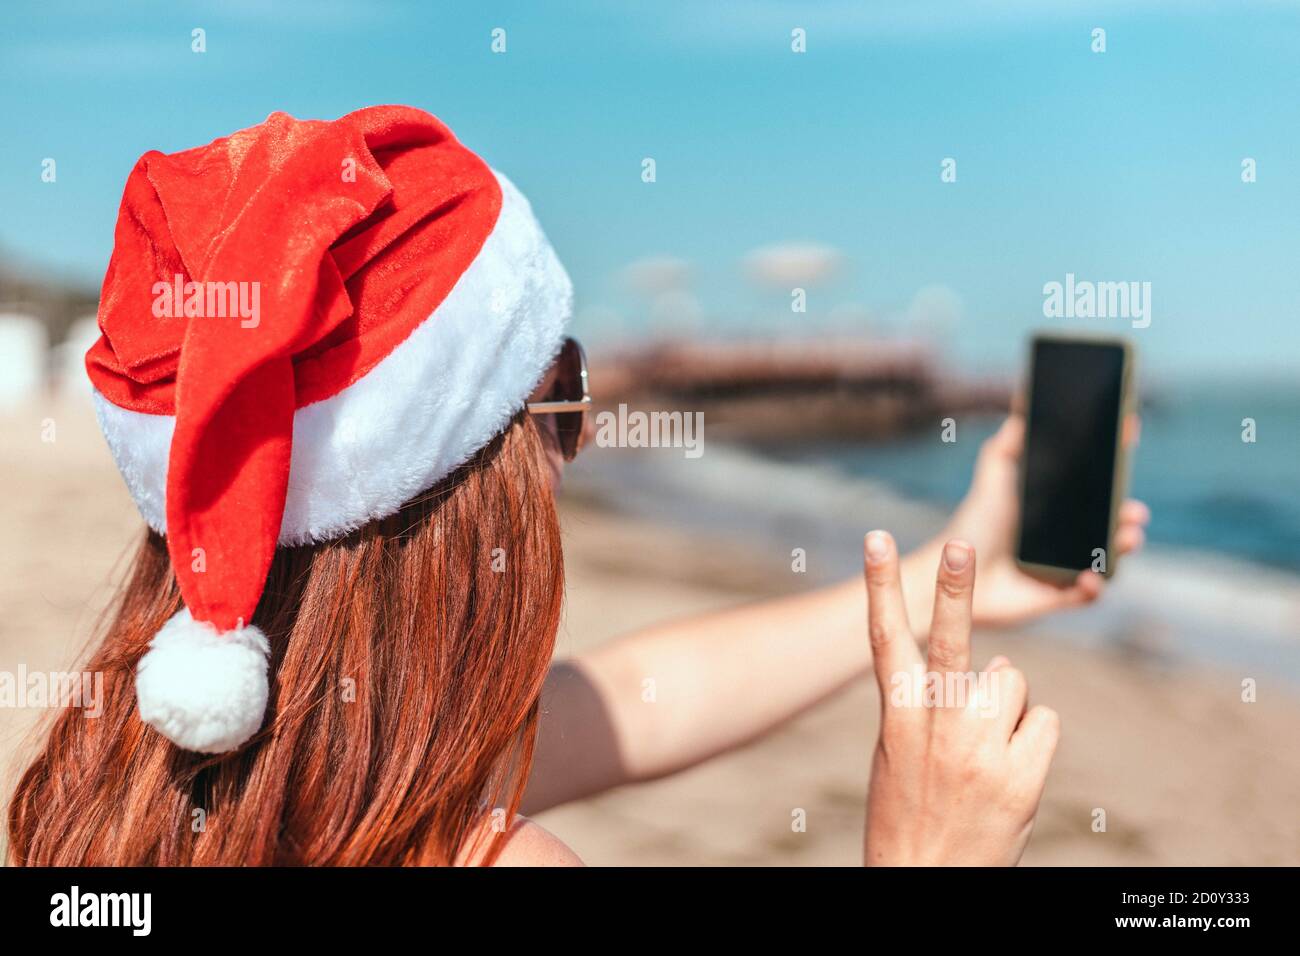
[{"x": 893, "y": 648}]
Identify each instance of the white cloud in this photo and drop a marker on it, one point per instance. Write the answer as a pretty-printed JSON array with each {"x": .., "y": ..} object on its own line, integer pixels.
[
  {"x": 789, "y": 264},
  {"x": 935, "y": 308},
  {"x": 656, "y": 275}
]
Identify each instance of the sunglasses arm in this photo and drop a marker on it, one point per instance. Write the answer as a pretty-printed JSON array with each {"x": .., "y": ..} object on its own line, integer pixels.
[{"x": 550, "y": 408}]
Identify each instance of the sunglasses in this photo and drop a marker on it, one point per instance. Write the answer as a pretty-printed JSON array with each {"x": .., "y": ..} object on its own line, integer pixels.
[{"x": 568, "y": 399}]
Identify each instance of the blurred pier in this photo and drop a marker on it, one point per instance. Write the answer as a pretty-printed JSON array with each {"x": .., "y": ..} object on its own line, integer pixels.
[{"x": 782, "y": 391}]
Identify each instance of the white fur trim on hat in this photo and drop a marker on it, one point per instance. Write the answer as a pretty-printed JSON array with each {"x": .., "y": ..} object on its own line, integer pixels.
[
  {"x": 201, "y": 689},
  {"x": 437, "y": 398}
]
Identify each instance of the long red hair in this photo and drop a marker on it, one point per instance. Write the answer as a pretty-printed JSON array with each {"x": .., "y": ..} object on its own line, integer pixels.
[{"x": 407, "y": 661}]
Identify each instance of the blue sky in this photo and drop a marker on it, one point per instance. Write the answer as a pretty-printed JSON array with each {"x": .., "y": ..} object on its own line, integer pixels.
[{"x": 1123, "y": 165}]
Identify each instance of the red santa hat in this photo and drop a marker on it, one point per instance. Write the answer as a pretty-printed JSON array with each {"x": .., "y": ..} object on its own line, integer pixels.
[{"x": 305, "y": 324}]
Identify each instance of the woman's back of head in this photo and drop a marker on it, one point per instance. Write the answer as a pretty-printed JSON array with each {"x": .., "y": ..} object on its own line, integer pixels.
[{"x": 406, "y": 665}]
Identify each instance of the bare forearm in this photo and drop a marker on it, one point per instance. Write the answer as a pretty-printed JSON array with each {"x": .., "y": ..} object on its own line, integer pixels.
[
  {"x": 669, "y": 697},
  {"x": 683, "y": 692},
  {"x": 692, "y": 690}
]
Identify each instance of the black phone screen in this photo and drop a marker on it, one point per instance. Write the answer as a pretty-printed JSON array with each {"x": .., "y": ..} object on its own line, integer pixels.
[{"x": 1074, "y": 403}]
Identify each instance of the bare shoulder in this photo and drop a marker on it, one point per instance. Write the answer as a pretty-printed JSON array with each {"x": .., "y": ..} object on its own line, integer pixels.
[
  {"x": 525, "y": 844},
  {"x": 530, "y": 844}
]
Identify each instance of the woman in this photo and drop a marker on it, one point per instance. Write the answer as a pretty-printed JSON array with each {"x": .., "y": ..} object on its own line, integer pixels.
[{"x": 334, "y": 376}]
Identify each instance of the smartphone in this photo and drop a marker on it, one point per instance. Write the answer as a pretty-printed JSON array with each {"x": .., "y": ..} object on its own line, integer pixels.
[{"x": 1074, "y": 469}]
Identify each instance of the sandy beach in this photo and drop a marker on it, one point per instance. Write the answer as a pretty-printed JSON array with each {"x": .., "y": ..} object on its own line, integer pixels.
[{"x": 1187, "y": 773}]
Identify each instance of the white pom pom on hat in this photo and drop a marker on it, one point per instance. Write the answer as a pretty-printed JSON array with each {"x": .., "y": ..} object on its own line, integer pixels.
[
  {"x": 201, "y": 689},
  {"x": 400, "y": 327}
]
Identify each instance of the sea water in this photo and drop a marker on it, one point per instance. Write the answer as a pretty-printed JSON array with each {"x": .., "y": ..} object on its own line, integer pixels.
[{"x": 1208, "y": 489}]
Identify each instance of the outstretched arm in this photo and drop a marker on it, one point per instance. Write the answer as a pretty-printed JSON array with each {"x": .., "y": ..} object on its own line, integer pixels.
[{"x": 671, "y": 696}]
